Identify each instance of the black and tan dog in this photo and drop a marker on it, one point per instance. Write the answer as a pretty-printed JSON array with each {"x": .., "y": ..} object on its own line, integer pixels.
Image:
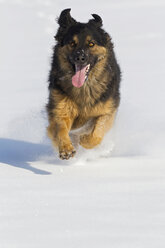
[{"x": 83, "y": 83}]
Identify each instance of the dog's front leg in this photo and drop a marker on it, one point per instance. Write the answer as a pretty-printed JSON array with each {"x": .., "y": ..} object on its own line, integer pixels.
[
  {"x": 58, "y": 131},
  {"x": 101, "y": 126}
]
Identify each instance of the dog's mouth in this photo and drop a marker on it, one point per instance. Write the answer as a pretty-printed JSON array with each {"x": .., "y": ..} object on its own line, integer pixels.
[{"x": 81, "y": 75}]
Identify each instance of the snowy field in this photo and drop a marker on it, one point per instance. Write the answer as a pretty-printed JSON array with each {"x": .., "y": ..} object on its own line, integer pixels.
[{"x": 112, "y": 196}]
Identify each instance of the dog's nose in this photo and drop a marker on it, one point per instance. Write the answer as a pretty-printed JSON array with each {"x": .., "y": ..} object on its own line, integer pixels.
[{"x": 80, "y": 57}]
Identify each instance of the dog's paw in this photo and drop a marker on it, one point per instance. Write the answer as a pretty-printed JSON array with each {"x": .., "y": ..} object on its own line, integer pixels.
[
  {"x": 67, "y": 152},
  {"x": 89, "y": 141}
]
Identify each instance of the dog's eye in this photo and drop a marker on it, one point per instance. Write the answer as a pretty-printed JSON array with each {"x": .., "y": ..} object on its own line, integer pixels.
[
  {"x": 91, "y": 44},
  {"x": 73, "y": 44}
]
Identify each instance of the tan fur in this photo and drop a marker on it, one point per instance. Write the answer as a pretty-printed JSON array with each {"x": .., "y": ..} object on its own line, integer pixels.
[
  {"x": 68, "y": 116},
  {"x": 77, "y": 109},
  {"x": 75, "y": 39},
  {"x": 97, "y": 50},
  {"x": 102, "y": 124}
]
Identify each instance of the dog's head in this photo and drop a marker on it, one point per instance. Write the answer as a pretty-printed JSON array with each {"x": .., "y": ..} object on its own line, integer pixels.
[{"x": 82, "y": 45}]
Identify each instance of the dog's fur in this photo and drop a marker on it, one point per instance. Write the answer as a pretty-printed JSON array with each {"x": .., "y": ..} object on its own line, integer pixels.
[{"x": 97, "y": 100}]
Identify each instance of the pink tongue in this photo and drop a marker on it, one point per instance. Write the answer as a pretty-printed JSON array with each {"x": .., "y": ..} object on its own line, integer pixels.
[{"x": 79, "y": 78}]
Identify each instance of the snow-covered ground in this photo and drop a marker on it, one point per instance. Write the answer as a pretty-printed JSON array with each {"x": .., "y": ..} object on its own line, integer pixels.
[{"x": 112, "y": 196}]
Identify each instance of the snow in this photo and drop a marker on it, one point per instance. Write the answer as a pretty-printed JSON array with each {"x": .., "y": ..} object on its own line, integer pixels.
[{"x": 112, "y": 196}]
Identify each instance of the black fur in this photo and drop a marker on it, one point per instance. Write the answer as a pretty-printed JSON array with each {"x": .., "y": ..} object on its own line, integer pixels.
[{"x": 69, "y": 27}]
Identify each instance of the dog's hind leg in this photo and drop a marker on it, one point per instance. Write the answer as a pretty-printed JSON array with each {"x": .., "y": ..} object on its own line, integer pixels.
[{"x": 101, "y": 126}]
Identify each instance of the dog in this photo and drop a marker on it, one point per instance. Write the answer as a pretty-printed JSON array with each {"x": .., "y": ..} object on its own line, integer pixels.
[{"x": 84, "y": 83}]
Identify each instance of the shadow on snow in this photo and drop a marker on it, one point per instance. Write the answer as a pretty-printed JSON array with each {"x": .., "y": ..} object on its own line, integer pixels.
[{"x": 20, "y": 153}]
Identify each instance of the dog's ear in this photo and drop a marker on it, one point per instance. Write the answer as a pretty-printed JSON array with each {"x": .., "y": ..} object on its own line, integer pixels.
[
  {"x": 97, "y": 21},
  {"x": 65, "y": 20}
]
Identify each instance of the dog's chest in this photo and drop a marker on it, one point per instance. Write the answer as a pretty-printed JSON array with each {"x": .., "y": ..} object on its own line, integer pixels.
[
  {"x": 85, "y": 115},
  {"x": 81, "y": 123}
]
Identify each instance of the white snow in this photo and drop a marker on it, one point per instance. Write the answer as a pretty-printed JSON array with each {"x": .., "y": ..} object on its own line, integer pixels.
[{"x": 112, "y": 196}]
